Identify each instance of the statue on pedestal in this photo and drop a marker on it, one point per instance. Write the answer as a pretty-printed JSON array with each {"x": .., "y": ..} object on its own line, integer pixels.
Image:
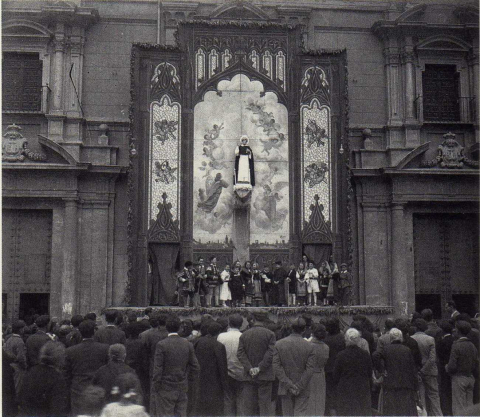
[{"x": 244, "y": 176}]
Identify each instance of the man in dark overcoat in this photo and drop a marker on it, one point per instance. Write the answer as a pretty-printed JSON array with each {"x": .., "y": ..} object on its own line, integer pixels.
[
  {"x": 255, "y": 352},
  {"x": 37, "y": 340},
  {"x": 110, "y": 334},
  {"x": 294, "y": 364},
  {"x": 175, "y": 364},
  {"x": 82, "y": 362},
  {"x": 213, "y": 381}
]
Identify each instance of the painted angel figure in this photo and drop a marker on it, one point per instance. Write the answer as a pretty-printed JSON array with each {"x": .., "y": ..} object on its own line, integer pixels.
[
  {"x": 164, "y": 172},
  {"x": 210, "y": 195},
  {"x": 314, "y": 134},
  {"x": 165, "y": 130},
  {"x": 244, "y": 163}
]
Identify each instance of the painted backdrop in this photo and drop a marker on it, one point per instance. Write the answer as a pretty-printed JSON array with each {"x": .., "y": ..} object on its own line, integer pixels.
[{"x": 240, "y": 107}]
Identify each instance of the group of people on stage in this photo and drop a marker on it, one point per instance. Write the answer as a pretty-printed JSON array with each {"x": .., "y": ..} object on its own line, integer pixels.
[
  {"x": 161, "y": 366},
  {"x": 249, "y": 285}
]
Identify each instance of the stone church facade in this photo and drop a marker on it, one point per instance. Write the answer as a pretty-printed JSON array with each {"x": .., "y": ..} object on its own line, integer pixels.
[{"x": 120, "y": 119}]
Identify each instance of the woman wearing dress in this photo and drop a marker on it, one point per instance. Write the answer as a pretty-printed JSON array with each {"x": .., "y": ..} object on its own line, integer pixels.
[
  {"x": 225, "y": 294},
  {"x": 316, "y": 399},
  {"x": 312, "y": 279}
]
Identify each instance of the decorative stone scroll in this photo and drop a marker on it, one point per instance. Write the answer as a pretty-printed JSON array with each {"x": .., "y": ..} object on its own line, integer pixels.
[
  {"x": 317, "y": 230},
  {"x": 15, "y": 147},
  {"x": 164, "y": 229},
  {"x": 450, "y": 154}
]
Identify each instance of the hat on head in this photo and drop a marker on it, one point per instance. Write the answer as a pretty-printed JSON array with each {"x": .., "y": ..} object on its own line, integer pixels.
[
  {"x": 260, "y": 315},
  {"x": 344, "y": 264}
]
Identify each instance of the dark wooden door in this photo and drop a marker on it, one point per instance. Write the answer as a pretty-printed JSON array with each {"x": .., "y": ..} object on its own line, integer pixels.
[
  {"x": 26, "y": 256},
  {"x": 446, "y": 260}
]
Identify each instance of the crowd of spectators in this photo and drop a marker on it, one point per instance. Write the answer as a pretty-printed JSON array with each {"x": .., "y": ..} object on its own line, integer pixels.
[{"x": 159, "y": 365}]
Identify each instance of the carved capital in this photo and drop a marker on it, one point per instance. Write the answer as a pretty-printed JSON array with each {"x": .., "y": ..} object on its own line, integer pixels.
[
  {"x": 76, "y": 45},
  {"x": 408, "y": 55},
  {"x": 392, "y": 56}
]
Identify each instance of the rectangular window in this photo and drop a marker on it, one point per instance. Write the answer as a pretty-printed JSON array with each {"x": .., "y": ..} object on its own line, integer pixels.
[
  {"x": 21, "y": 82},
  {"x": 440, "y": 93}
]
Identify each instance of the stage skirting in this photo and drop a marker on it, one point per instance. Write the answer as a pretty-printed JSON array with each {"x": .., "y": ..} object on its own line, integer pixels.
[{"x": 377, "y": 314}]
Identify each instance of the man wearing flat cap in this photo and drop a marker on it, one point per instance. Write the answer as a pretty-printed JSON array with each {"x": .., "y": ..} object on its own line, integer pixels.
[
  {"x": 294, "y": 364},
  {"x": 255, "y": 352}
]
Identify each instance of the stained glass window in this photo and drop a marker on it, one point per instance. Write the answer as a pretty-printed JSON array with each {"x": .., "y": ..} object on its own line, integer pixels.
[{"x": 164, "y": 155}]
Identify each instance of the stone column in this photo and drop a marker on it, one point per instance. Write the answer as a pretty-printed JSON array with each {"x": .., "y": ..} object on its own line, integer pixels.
[
  {"x": 399, "y": 264},
  {"x": 408, "y": 56},
  {"x": 59, "y": 47},
  {"x": 474, "y": 110},
  {"x": 392, "y": 64},
  {"x": 56, "y": 113},
  {"x": 69, "y": 272},
  {"x": 412, "y": 127}
]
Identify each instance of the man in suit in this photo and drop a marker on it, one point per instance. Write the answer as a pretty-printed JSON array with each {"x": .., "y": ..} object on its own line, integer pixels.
[
  {"x": 462, "y": 365},
  {"x": 294, "y": 364},
  {"x": 408, "y": 341},
  {"x": 110, "y": 334},
  {"x": 212, "y": 357},
  {"x": 444, "y": 348},
  {"x": 451, "y": 309},
  {"x": 255, "y": 352},
  {"x": 231, "y": 340},
  {"x": 37, "y": 340},
  {"x": 82, "y": 362},
  {"x": 433, "y": 329},
  {"x": 335, "y": 340},
  {"x": 149, "y": 339},
  {"x": 175, "y": 363},
  {"x": 429, "y": 371}
]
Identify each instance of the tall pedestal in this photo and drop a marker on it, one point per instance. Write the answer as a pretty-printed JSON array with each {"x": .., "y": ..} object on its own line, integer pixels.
[{"x": 241, "y": 234}]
